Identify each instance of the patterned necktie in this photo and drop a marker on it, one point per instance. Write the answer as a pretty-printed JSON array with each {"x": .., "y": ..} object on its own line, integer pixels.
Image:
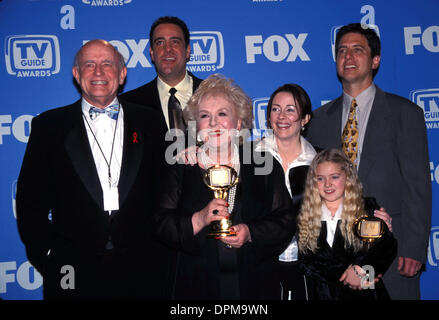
[
  {"x": 111, "y": 111},
  {"x": 349, "y": 139},
  {"x": 175, "y": 112}
]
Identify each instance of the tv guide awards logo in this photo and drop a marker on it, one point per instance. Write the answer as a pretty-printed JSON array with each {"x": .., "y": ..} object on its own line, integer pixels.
[
  {"x": 207, "y": 51},
  {"x": 32, "y": 55},
  {"x": 428, "y": 100},
  {"x": 433, "y": 247},
  {"x": 260, "y": 117}
]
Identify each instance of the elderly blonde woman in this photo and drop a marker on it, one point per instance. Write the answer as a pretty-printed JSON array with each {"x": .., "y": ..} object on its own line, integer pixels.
[
  {"x": 332, "y": 255},
  {"x": 236, "y": 267}
]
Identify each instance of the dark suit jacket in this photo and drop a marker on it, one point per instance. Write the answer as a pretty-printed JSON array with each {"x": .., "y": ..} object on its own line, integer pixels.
[
  {"x": 59, "y": 176},
  {"x": 148, "y": 95}
]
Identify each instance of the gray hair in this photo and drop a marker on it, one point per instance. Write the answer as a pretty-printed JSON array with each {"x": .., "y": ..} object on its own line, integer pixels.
[{"x": 218, "y": 85}]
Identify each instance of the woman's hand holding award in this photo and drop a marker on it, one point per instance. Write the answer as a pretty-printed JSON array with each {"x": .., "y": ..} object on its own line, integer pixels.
[{"x": 220, "y": 178}]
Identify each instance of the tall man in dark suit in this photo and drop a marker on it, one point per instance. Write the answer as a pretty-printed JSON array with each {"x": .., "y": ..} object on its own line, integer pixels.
[
  {"x": 170, "y": 50},
  {"x": 392, "y": 153},
  {"x": 86, "y": 189}
]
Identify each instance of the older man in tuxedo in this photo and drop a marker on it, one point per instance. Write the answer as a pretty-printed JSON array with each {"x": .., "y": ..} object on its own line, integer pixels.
[
  {"x": 389, "y": 148},
  {"x": 170, "y": 50},
  {"x": 87, "y": 186}
]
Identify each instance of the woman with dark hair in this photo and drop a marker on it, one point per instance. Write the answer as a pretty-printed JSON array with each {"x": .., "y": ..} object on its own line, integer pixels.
[
  {"x": 242, "y": 266},
  {"x": 288, "y": 112}
]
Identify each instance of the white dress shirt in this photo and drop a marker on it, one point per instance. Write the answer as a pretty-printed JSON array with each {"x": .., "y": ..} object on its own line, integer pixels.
[
  {"x": 331, "y": 222},
  {"x": 268, "y": 144},
  {"x": 100, "y": 132},
  {"x": 183, "y": 94}
]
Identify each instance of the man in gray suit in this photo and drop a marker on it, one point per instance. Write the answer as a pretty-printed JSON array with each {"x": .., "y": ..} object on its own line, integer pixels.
[{"x": 392, "y": 154}]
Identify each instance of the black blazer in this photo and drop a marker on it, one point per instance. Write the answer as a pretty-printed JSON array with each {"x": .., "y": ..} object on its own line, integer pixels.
[
  {"x": 148, "y": 95},
  {"x": 324, "y": 267},
  {"x": 262, "y": 202},
  {"x": 59, "y": 176}
]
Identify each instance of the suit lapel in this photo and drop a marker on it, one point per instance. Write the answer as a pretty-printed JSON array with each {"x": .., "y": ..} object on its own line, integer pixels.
[
  {"x": 195, "y": 82},
  {"x": 156, "y": 103},
  {"x": 377, "y": 128},
  {"x": 78, "y": 148},
  {"x": 334, "y": 115},
  {"x": 132, "y": 155},
  {"x": 155, "y": 96},
  {"x": 247, "y": 182},
  {"x": 338, "y": 238}
]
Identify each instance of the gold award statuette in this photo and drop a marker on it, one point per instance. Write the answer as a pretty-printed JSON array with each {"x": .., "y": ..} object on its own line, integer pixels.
[
  {"x": 369, "y": 228},
  {"x": 220, "y": 178}
]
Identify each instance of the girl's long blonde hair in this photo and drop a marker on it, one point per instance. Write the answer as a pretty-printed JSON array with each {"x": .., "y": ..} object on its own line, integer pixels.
[{"x": 309, "y": 219}]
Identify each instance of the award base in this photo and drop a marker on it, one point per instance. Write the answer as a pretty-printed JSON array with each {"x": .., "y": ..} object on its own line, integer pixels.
[{"x": 220, "y": 229}]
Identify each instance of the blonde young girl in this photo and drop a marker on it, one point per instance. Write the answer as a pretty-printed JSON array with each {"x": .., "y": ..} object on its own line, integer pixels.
[{"x": 330, "y": 253}]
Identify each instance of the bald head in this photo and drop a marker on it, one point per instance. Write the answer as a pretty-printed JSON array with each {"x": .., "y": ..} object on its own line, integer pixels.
[
  {"x": 105, "y": 43},
  {"x": 99, "y": 70}
]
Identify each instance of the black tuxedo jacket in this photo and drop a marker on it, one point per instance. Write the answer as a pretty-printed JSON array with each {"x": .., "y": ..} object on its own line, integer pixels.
[
  {"x": 59, "y": 176},
  {"x": 148, "y": 95}
]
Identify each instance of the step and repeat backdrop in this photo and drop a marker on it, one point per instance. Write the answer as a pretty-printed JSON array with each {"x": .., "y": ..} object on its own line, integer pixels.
[{"x": 261, "y": 44}]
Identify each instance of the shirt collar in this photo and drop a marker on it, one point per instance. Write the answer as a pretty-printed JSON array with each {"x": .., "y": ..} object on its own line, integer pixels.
[
  {"x": 363, "y": 98},
  {"x": 85, "y": 105},
  {"x": 268, "y": 144},
  {"x": 327, "y": 216},
  {"x": 184, "y": 87}
]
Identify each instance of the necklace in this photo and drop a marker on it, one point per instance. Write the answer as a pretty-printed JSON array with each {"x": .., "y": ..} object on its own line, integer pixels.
[
  {"x": 231, "y": 198},
  {"x": 112, "y": 147}
]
